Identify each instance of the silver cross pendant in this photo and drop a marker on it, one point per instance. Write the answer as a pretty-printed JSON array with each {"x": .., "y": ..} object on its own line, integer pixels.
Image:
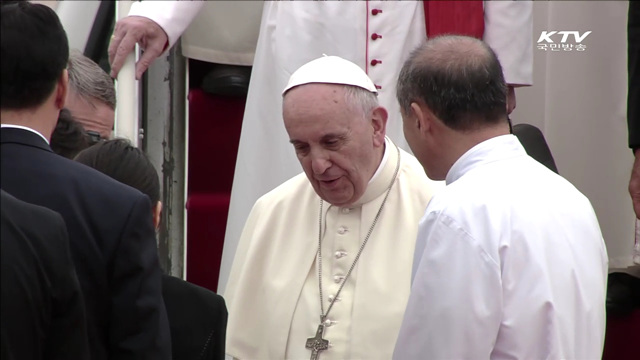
[{"x": 317, "y": 343}]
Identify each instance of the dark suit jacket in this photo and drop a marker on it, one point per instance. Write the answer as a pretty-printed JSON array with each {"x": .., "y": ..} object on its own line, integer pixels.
[
  {"x": 112, "y": 242},
  {"x": 633, "y": 97},
  {"x": 198, "y": 320},
  {"x": 42, "y": 308}
]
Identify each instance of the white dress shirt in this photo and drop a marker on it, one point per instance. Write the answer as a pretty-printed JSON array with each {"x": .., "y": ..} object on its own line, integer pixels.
[{"x": 509, "y": 264}]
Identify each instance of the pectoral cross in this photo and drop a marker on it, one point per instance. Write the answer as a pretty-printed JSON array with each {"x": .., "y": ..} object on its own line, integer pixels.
[{"x": 317, "y": 343}]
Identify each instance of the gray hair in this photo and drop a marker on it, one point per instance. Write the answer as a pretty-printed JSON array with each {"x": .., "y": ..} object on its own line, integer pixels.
[
  {"x": 358, "y": 99},
  {"x": 89, "y": 81},
  {"x": 361, "y": 99}
]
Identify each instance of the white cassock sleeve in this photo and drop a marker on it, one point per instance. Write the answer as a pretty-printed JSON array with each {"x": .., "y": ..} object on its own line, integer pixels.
[
  {"x": 173, "y": 16},
  {"x": 509, "y": 31},
  {"x": 455, "y": 303}
]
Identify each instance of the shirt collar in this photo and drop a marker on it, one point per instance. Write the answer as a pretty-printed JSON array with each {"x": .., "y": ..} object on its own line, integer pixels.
[
  {"x": 382, "y": 177},
  {"x": 11, "y": 126},
  {"x": 494, "y": 149},
  {"x": 383, "y": 162}
]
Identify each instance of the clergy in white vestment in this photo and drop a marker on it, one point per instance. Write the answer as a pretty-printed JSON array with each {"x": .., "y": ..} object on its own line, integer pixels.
[
  {"x": 375, "y": 35},
  {"x": 510, "y": 262},
  {"x": 323, "y": 266}
]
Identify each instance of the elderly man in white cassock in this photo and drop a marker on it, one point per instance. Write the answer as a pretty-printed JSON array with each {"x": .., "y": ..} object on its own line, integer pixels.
[
  {"x": 324, "y": 261},
  {"x": 510, "y": 262}
]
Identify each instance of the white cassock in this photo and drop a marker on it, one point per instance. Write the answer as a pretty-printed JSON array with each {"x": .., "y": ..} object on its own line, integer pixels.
[
  {"x": 293, "y": 33},
  {"x": 509, "y": 264},
  {"x": 273, "y": 295}
]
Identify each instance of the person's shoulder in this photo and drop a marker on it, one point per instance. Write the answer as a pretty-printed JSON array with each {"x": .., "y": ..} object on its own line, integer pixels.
[
  {"x": 176, "y": 283},
  {"x": 410, "y": 166},
  {"x": 412, "y": 170},
  {"x": 27, "y": 214},
  {"x": 175, "y": 290},
  {"x": 96, "y": 183},
  {"x": 295, "y": 189},
  {"x": 33, "y": 229}
]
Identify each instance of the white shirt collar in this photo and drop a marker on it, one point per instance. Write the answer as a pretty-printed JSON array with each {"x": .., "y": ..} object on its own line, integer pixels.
[
  {"x": 494, "y": 149},
  {"x": 383, "y": 162},
  {"x": 11, "y": 126}
]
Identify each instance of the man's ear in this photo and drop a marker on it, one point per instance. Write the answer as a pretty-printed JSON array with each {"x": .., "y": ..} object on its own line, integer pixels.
[
  {"x": 423, "y": 117},
  {"x": 157, "y": 211},
  {"x": 62, "y": 89},
  {"x": 379, "y": 118},
  {"x": 426, "y": 120}
]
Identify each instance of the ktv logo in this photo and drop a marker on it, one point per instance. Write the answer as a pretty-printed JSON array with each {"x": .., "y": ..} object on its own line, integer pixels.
[{"x": 548, "y": 40}]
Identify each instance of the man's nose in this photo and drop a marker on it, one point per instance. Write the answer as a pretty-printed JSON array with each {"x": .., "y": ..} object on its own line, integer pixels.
[{"x": 320, "y": 163}]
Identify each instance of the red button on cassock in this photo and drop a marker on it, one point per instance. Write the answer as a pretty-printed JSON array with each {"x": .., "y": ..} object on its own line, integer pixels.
[
  {"x": 375, "y": 36},
  {"x": 375, "y": 62},
  {"x": 375, "y": 11}
]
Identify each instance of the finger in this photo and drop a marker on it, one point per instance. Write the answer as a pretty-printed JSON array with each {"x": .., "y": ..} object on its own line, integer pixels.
[
  {"x": 113, "y": 45},
  {"x": 116, "y": 38},
  {"x": 147, "y": 57},
  {"x": 124, "y": 48}
]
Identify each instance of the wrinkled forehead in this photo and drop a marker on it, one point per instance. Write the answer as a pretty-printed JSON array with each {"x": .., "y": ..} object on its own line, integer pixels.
[
  {"x": 92, "y": 114},
  {"x": 318, "y": 109},
  {"x": 310, "y": 99}
]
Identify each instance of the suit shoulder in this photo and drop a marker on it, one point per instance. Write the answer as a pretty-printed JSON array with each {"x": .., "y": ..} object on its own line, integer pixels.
[
  {"x": 93, "y": 184},
  {"x": 26, "y": 214},
  {"x": 175, "y": 290},
  {"x": 93, "y": 176},
  {"x": 32, "y": 231}
]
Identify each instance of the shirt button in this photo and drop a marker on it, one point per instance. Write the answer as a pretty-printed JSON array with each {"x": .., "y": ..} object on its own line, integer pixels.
[
  {"x": 328, "y": 323},
  {"x": 346, "y": 210},
  {"x": 375, "y": 12},
  {"x": 337, "y": 279},
  {"x": 342, "y": 230},
  {"x": 340, "y": 254}
]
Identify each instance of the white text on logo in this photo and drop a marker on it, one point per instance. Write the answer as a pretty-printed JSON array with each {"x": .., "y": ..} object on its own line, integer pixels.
[{"x": 546, "y": 36}]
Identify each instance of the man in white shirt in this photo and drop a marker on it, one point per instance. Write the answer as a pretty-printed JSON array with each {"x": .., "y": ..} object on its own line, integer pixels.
[
  {"x": 329, "y": 254},
  {"x": 510, "y": 262}
]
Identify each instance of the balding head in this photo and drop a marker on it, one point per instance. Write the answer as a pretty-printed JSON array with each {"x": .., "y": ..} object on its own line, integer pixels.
[{"x": 459, "y": 78}]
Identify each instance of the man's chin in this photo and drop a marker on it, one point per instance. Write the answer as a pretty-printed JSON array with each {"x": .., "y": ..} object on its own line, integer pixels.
[{"x": 341, "y": 201}]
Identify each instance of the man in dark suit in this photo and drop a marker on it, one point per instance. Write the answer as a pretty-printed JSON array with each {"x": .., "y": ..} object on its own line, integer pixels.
[
  {"x": 197, "y": 316},
  {"x": 111, "y": 234},
  {"x": 42, "y": 309}
]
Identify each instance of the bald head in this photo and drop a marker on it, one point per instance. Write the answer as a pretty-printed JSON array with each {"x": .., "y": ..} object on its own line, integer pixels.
[{"x": 459, "y": 78}]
